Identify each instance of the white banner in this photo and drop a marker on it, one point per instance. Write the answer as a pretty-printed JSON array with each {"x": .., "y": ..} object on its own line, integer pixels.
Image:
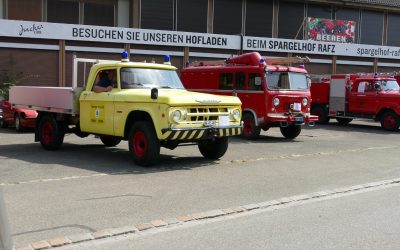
[
  {"x": 11, "y": 28},
  {"x": 323, "y": 48}
]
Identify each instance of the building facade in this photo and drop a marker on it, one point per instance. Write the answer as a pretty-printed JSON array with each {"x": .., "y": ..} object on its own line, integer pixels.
[{"x": 39, "y": 38}]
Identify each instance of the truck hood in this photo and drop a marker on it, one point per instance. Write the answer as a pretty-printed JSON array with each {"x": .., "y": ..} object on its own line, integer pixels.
[{"x": 179, "y": 97}]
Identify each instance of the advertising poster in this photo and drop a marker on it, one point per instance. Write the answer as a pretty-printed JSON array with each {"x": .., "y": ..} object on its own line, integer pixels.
[{"x": 326, "y": 30}]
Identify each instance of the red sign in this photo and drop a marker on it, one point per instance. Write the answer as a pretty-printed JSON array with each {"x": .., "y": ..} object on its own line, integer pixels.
[{"x": 326, "y": 30}]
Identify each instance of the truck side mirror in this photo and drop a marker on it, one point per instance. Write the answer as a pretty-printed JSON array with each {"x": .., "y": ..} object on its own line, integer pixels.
[{"x": 154, "y": 93}]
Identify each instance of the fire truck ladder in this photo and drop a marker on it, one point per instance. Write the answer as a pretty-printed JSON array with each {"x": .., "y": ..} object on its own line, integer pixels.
[{"x": 285, "y": 60}]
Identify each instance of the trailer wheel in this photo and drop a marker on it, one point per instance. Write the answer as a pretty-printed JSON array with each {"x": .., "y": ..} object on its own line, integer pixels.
[
  {"x": 390, "y": 121},
  {"x": 51, "y": 132},
  {"x": 213, "y": 149},
  {"x": 343, "y": 121},
  {"x": 110, "y": 141},
  {"x": 250, "y": 130},
  {"x": 144, "y": 146},
  {"x": 18, "y": 126},
  {"x": 322, "y": 114},
  {"x": 291, "y": 131}
]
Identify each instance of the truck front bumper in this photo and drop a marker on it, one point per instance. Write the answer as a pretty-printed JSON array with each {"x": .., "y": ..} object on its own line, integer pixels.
[
  {"x": 202, "y": 133},
  {"x": 300, "y": 119}
]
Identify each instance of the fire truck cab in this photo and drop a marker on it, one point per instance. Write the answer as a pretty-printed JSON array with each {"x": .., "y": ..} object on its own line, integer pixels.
[
  {"x": 272, "y": 95},
  {"x": 349, "y": 96}
]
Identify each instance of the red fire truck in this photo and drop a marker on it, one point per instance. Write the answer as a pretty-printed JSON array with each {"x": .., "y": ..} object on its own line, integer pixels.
[
  {"x": 272, "y": 95},
  {"x": 349, "y": 96}
]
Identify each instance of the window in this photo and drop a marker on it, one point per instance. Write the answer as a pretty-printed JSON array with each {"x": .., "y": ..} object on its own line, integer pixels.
[
  {"x": 393, "y": 27},
  {"x": 288, "y": 27},
  {"x": 240, "y": 81},
  {"x": 28, "y": 10},
  {"x": 192, "y": 15},
  {"x": 349, "y": 15},
  {"x": 228, "y": 17},
  {"x": 149, "y": 78},
  {"x": 157, "y": 14},
  {"x": 286, "y": 80},
  {"x": 99, "y": 14},
  {"x": 62, "y": 11},
  {"x": 225, "y": 80},
  {"x": 254, "y": 82},
  {"x": 319, "y": 11},
  {"x": 259, "y": 18},
  {"x": 371, "y": 27}
]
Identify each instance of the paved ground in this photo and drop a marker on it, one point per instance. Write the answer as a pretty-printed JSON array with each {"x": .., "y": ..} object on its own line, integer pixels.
[{"x": 85, "y": 187}]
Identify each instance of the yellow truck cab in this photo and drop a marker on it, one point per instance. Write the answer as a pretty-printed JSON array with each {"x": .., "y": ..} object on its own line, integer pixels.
[{"x": 147, "y": 106}]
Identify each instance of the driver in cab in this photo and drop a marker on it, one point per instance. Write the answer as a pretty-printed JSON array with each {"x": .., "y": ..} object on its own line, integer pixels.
[{"x": 106, "y": 82}]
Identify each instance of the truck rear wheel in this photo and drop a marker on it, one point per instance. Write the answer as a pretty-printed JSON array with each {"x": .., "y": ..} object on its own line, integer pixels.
[
  {"x": 250, "y": 130},
  {"x": 322, "y": 114},
  {"x": 291, "y": 131},
  {"x": 343, "y": 121},
  {"x": 51, "y": 132},
  {"x": 213, "y": 149},
  {"x": 144, "y": 145},
  {"x": 110, "y": 141},
  {"x": 390, "y": 121}
]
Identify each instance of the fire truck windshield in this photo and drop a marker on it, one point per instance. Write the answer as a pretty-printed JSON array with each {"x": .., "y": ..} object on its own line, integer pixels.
[
  {"x": 388, "y": 85},
  {"x": 149, "y": 78},
  {"x": 286, "y": 81}
]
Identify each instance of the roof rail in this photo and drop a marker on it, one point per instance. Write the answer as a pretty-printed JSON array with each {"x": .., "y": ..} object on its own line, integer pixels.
[
  {"x": 286, "y": 60},
  {"x": 208, "y": 63}
]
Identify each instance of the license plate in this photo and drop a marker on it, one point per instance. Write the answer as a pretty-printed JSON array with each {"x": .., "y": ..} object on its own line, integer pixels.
[{"x": 298, "y": 119}]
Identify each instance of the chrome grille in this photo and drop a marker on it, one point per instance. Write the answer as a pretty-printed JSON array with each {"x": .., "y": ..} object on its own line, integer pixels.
[{"x": 206, "y": 113}]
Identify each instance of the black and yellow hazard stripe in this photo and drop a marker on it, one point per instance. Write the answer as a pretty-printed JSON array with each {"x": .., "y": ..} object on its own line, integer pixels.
[{"x": 198, "y": 134}]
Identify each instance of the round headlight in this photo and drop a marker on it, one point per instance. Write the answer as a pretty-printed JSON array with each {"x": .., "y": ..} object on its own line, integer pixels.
[
  {"x": 176, "y": 115},
  {"x": 304, "y": 101},
  {"x": 276, "y": 101},
  {"x": 236, "y": 114}
]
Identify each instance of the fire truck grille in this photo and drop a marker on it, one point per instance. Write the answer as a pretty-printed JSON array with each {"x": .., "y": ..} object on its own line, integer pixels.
[
  {"x": 206, "y": 113},
  {"x": 286, "y": 106}
]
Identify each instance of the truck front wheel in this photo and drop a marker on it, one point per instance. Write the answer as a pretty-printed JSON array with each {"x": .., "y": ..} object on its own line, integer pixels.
[
  {"x": 250, "y": 130},
  {"x": 291, "y": 131},
  {"x": 144, "y": 146},
  {"x": 213, "y": 149},
  {"x": 18, "y": 125},
  {"x": 110, "y": 141},
  {"x": 51, "y": 132},
  {"x": 390, "y": 121}
]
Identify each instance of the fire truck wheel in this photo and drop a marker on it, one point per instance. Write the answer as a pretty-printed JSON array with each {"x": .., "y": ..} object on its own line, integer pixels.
[
  {"x": 110, "y": 141},
  {"x": 3, "y": 123},
  {"x": 343, "y": 121},
  {"x": 250, "y": 130},
  {"x": 322, "y": 114},
  {"x": 144, "y": 146},
  {"x": 390, "y": 121},
  {"x": 18, "y": 125},
  {"x": 51, "y": 132},
  {"x": 291, "y": 131},
  {"x": 213, "y": 149}
]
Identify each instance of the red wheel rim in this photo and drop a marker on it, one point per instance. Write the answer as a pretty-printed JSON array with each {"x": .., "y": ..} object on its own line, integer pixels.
[
  {"x": 248, "y": 126},
  {"x": 389, "y": 122},
  {"x": 139, "y": 144},
  {"x": 47, "y": 132}
]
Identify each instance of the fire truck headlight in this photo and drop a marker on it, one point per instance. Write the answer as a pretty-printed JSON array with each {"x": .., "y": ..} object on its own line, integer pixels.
[
  {"x": 276, "y": 101},
  {"x": 178, "y": 115},
  {"x": 304, "y": 102},
  {"x": 236, "y": 114}
]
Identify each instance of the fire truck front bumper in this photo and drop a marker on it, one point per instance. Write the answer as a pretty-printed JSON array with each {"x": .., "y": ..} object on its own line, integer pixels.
[
  {"x": 203, "y": 133},
  {"x": 299, "y": 119}
]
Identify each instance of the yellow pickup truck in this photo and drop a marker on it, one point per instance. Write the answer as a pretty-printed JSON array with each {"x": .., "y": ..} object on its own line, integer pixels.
[{"x": 147, "y": 106}]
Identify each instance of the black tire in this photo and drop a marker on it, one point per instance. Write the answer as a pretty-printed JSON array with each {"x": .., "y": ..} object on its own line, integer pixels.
[
  {"x": 51, "y": 132},
  {"x": 250, "y": 130},
  {"x": 291, "y": 131},
  {"x": 214, "y": 149},
  {"x": 144, "y": 146},
  {"x": 110, "y": 141},
  {"x": 18, "y": 127},
  {"x": 343, "y": 121},
  {"x": 3, "y": 124},
  {"x": 322, "y": 113},
  {"x": 390, "y": 121}
]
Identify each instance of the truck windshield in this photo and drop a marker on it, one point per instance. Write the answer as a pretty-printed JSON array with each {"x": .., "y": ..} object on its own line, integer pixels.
[
  {"x": 388, "y": 85},
  {"x": 149, "y": 78},
  {"x": 286, "y": 80}
]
